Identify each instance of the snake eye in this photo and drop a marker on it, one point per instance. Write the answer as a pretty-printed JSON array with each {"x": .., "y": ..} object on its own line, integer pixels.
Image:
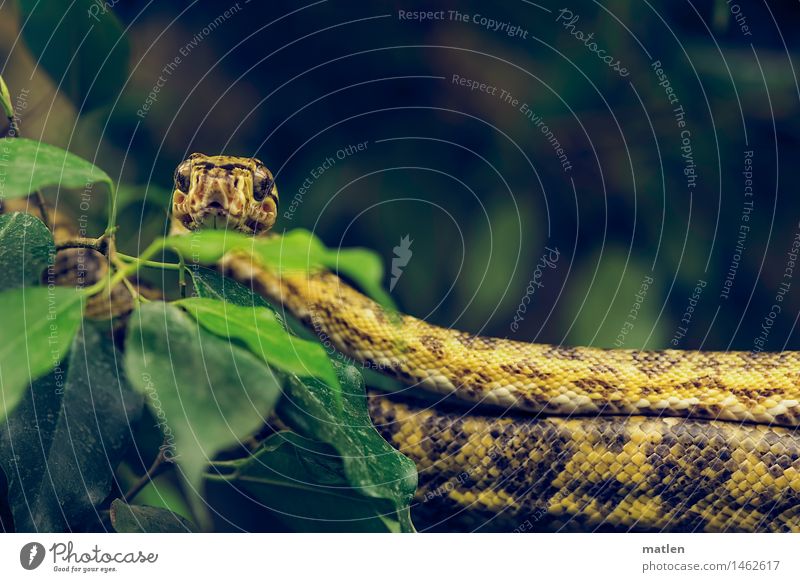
[
  {"x": 262, "y": 182},
  {"x": 182, "y": 177}
]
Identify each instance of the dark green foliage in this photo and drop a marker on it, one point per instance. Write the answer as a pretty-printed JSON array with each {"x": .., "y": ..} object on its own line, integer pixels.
[
  {"x": 26, "y": 249},
  {"x": 145, "y": 519},
  {"x": 60, "y": 446}
]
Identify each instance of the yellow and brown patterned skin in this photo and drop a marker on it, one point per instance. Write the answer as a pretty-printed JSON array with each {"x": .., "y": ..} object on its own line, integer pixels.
[
  {"x": 735, "y": 386},
  {"x": 667, "y": 440},
  {"x": 635, "y": 473}
]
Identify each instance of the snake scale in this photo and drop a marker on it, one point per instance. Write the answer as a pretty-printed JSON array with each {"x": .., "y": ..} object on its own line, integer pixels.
[{"x": 547, "y": 437}]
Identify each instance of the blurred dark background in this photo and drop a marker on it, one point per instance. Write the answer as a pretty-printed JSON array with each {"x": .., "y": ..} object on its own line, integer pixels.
[{"x": 468, "y": 176}]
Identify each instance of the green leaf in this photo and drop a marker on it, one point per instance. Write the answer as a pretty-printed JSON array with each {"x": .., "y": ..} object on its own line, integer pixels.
[
  {"x": 211, "y": 285},
  {"x": 296, "y": 251},
  {"x": 163, "y": 490},
  {"x": 300, "y": 250},
  {"x": 166, "y": 493},
  {"x": 143, "y": 519},
  {"x": 81, "y": 45},
  {"x": 28, "y": 165},
  {"x": 26, "y": 249},
  {"x": 61, "y": 445},
  {"x": 206, "y": 247},
  {"x": 5, "y": 100},
  {"x": 303, "y": 483},
  {"x": 365, "y": 268},
  {"x": 206, "y": 392},
  {"x": 369, "y": 463},
  {"x": 265, "y": 335},
  {"x": 373, "y": 468},
  {"x": 38, "y": 326}
]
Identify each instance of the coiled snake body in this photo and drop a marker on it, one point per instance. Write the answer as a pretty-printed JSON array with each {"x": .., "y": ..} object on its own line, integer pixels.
[{"x": 546, "y": 437}]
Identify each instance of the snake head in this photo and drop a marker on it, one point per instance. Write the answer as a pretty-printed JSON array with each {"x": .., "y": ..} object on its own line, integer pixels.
[{"x": 240, "y": 191}]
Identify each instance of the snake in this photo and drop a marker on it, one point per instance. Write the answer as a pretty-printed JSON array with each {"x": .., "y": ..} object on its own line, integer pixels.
[
  {"x": 525, "y": 436},
  {"x": 515, "y": 436}
]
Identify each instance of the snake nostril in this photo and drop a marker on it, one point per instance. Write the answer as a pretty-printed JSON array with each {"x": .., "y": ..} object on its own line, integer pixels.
[{"x": 255, "y": 226}]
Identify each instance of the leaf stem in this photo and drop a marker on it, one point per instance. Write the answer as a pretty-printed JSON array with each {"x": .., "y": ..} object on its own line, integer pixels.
[
  {"x": 138, "y": 298},
  {"x": 111, "y": 227},
  {"x": 182, "y": 275},
  {"x": 42, "y": 206},
  {"x": 153, "y": 264},
  {"x": 159, "y": 465},
  {"x": 127, "y": 269}
]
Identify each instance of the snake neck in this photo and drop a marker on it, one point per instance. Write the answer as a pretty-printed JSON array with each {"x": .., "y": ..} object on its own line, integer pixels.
[{"x": 733, "y": 386}]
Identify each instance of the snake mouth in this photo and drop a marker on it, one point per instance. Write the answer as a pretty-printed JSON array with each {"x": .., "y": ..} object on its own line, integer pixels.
[
  {"x": 210, "y": 216},
  {"x": 215, "y": 217}
]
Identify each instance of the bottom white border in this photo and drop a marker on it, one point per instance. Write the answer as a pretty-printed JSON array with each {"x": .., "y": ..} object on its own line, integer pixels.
[{"x": 484, "y": 557}]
